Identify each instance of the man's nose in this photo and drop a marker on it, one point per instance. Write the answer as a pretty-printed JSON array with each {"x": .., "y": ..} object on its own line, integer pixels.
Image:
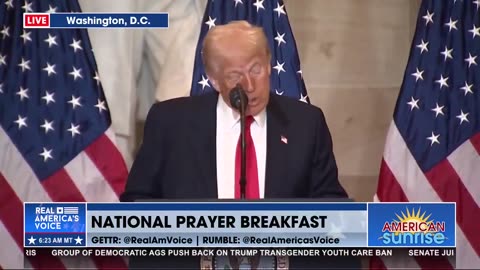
[{"x": 247, "y": 84}]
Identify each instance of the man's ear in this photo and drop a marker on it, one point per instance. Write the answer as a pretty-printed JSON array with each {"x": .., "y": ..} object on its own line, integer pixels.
[
  {"x": 269, "y": 60},
  {"x": 213, "y": 82}
]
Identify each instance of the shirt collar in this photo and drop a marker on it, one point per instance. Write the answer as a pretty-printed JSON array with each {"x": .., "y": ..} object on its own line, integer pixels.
[{"x": 232, "y": 117}]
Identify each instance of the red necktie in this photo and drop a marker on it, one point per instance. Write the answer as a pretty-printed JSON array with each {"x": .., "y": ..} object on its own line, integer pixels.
[{"x": 251, "y": 189}]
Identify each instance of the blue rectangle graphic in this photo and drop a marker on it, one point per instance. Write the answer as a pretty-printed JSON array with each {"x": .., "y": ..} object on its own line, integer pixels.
[
  {"x": 109, "y": 20},
  {"x": 411, "y": 225},
  {"x": 55, "y": 240},
  {"x": 57, "y": 218}
]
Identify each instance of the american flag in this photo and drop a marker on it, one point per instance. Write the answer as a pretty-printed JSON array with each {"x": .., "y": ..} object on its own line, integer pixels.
[
  {"x": 286, "y": 78},
  {"x": 433, "y": 144},
  {"x": 55, "y": 135}
]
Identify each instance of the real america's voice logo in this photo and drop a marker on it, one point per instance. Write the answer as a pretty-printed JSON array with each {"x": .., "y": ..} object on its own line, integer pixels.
[
  {"x": 53, "y": 217},
  {"x": 54, "y": 224},
  {"x": 411, "y": 225}
]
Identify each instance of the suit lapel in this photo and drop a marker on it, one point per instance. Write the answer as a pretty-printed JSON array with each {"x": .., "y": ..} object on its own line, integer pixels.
[
  {"x": 277, "y": 146},
  {"x": 203, "y": 141}
]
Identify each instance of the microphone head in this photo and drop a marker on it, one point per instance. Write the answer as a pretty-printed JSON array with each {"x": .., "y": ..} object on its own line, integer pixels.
[{"x": 238, "y": 98}]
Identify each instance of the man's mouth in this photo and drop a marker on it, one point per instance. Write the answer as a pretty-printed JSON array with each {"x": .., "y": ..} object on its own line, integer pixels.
[{"x": 252, "y": 101}]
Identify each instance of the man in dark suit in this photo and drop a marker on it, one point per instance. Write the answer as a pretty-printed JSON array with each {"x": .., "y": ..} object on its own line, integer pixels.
[{"x": 190, "y": 146}]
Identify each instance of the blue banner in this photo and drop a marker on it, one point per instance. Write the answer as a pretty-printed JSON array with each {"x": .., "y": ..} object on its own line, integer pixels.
[
  {"x": 411, "y": 225},
  {"x": 96, "y": 20},
  {"x": 242, "y": 224}
]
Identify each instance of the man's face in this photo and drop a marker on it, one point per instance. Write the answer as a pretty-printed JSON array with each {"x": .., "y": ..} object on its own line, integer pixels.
[{"x": 249, "y": 67}]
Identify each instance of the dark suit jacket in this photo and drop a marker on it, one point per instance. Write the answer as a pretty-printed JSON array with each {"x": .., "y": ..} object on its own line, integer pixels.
[{"x": 177, "y": 159}]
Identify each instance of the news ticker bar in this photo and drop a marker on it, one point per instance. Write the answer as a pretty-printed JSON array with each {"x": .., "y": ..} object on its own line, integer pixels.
[
  {"x": 295, "y": 252},
  {"x": 95, "y": 20},
  {"x": 239, "y": 225}
]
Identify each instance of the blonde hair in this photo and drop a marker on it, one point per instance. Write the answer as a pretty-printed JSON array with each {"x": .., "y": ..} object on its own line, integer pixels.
[{"x": 231, "y": 31}]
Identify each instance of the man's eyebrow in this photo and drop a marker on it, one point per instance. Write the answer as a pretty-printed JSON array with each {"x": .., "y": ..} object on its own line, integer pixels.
[{"x": 233, "y": 72}]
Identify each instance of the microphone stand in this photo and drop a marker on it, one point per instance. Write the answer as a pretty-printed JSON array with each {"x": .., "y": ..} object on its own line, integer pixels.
[{"x": 243, "y": 162}]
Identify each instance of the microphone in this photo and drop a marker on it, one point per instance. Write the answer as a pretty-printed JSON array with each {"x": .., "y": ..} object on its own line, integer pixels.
[
  {"x": 239, "y": 101},
  {"x": 238, "y": 98}
]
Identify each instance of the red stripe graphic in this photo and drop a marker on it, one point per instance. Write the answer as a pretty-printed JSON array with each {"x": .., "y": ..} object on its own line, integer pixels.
[
  {"x": 109, "y": 162},
  {"x": 476, "y": 142},
  {"x": 434, "y": 263},
  {"x": 376, "y": 263},
  {"x": 110, "y": 263},
  {"x": 45, "y": 260},
  {"x": 450, "y": 188},
  {"x": 388, "y": 189},
  {"x": 11, "y": 214},
  {"x": 61, "y": 188},
  {"x": 11, "y": 211}
]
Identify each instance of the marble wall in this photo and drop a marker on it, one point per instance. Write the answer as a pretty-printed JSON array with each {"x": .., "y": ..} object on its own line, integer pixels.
[{"x": 353, "y": 56}]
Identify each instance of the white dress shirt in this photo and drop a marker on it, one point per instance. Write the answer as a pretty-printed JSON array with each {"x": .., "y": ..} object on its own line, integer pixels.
[{"x": 228, "y": 131}]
